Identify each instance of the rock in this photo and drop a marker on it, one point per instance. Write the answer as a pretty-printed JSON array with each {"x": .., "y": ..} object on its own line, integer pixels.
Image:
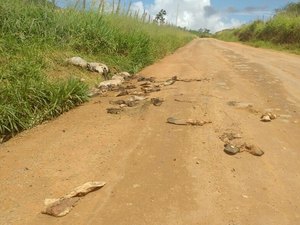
[
  {"x": 265, "y": 118},
  {"x": 118, "y": 77},
  {"x": 100, "y": 68},
  {"x": 231, "y": 149},
  {"x": 59, "y": 207},
  {"x": 268, "y": 116},
  {"x": 62, "y": 206},
  {"x": 109, "y": 83},
  {"x": 157, "y": 101},
  {"x": 85, "y": 189},
  {"x": 192, "y": 122},
  {"x": 254, "y": 150},
  {"x": 77, "y": 61},
  {"x": 114, "y": 110}
]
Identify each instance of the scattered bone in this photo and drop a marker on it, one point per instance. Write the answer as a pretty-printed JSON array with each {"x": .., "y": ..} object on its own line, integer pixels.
[
  {"x": 114, "y": 110},
  {"x": 187, "y": 101},
  {"x": 191, "y": 122},
  {"x": 130, "y": 86},
  {"x": 98, "y": 67},
  {"x": 109, "y": 83},
  {"x": 170, "y": 81},
  {"x": 137, "y": 93},
  {"x": 226, "y": 137},
  {"x": 124, "y": 75},
  {"x": 146, "y": 84},
  {"x": 117, "y": 102},
  {"x": 62, "y": 206},
  {"x": 77, "y": 61},
  {"x": 122, "y": 93},
  {"x": 118, "y": 77},
  {"x": 94, "y": 92},
  {"x": 268, "y": 117},
  {"x": 141, "y": 78},
  {"x": 150, "y": 89},
  {"x": 157, "y": 101},
  {"x": 137, "y": 98},
  {"x": 231, "y": 149}
]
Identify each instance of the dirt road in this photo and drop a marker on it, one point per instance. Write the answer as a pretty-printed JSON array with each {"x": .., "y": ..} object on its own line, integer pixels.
[{"x": 162, "y": 174}]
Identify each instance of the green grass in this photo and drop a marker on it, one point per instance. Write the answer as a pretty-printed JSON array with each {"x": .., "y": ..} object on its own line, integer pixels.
[
  {"x": 35, "y": 39},
  {"x": 282, "y": 32}
]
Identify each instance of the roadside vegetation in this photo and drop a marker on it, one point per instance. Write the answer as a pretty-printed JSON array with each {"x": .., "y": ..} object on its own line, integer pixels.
[
  {"x": 282, "y": 31},
  {"x": 35, "y": 39}
]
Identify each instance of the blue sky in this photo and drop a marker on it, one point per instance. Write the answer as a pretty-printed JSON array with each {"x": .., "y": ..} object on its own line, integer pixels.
[{"x": 212, "y": 14}]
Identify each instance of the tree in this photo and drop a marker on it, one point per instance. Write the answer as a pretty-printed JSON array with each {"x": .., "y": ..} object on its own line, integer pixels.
[{"x": 160, "y": 17}]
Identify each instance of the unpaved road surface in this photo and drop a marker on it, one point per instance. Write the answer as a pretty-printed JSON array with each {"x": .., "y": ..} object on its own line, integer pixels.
[{"x": 162, "y": 174}]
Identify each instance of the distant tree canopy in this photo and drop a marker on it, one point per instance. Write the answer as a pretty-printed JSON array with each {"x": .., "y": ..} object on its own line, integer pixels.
[
  {"x": 160, "y": 17},
  {"x": 202, "y": 32},
  {"x": 291, "y": 9}
]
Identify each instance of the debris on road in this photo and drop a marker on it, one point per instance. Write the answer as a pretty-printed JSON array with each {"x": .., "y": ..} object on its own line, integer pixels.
[
  {"x": 170, "y": 81},
  {"x": 191, "y": 122},
  {"x": 109, "y": 83},
  {"x": 114, "y": 110},
  {"x": 62, "y": 206},
  {"x": 100, "y": 68},
  {"x": 141, "y": 78},
  {"x": 231, "y": 149},
  {"x": 186, "y": 101},
  {"x": 229, "y": 136},
  {"x": 94, "y": 92},
  {"x": 77, "y": 61},
  {"x": 254, "y": 150},
  {"x": 157, "y": 101},
  {"x": 150, "y": 89},
  {"x": 268, "y": 117},
  {"x": 193, "y": 80}
]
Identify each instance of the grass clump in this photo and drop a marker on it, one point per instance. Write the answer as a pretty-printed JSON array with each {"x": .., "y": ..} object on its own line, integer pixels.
[
  {"x": 33, "y": 33},
  {"x": 282, "y": 31}
]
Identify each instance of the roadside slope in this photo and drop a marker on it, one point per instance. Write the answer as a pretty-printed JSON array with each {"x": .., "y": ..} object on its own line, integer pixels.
[{"x": 158, "y": 173}]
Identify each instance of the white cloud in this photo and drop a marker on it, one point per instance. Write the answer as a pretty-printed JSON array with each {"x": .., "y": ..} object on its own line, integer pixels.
[{"x": 192, "y": 14}]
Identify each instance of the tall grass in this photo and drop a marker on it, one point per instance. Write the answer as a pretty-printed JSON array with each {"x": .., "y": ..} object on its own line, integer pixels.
[
  {"x": 282, "y": 30},
  {"x": 30, "y": 30}
]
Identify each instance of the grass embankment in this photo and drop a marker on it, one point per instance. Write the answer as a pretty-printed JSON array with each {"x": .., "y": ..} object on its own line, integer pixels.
[
  {"x": 281, "y": 32},
  {"x": 36, "y": 38}
]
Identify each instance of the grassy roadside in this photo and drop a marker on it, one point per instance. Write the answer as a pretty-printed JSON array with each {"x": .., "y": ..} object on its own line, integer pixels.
[
  {"x": 281, "y": 32},
  {"x": 35, "y": 39}
]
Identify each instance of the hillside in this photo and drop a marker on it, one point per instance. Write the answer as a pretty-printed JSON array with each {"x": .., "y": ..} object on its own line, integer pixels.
[{"x": 282, "y": 31}]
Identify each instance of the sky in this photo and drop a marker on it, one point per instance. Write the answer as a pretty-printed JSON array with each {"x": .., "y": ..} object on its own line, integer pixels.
[{"x": 214, "y": 15}]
